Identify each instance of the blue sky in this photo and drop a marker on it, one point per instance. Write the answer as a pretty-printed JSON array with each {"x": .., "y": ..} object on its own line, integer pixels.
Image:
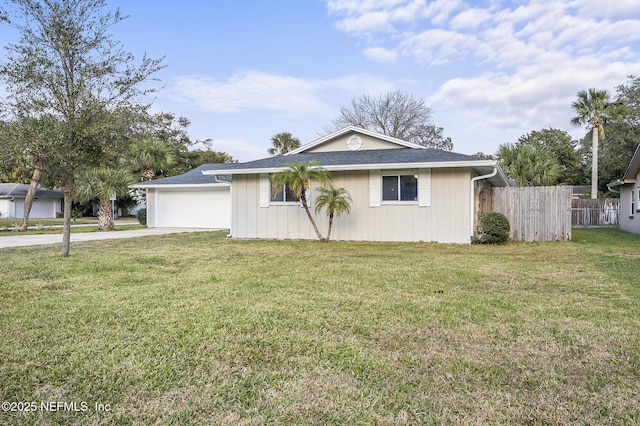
[{"x": 491, "y": 70}]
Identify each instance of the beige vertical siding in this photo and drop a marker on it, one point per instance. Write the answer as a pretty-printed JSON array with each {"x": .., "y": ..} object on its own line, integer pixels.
[
  {"x": 340, "y": 144},
  {"x": 445, "y": 221}
]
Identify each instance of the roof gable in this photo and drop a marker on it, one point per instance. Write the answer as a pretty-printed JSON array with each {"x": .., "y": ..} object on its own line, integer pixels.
[
  {"x": 634, "y": 166},
  {"x": 355, "y": 139}
]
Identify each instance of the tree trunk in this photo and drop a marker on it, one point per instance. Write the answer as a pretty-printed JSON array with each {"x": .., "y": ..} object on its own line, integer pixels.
[
  {"x": 594, "y": 163},
  {"x": 31, "y": 195},
  {"x": 66, "y": 229},
  {"x": 147, "y": 173},
  {"x": 105, "y": 218},
  {"x": 303, "y": 200},
  {"x": 326, "y": 240}
]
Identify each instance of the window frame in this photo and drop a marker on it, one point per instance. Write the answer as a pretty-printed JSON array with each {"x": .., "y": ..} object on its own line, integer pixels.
[
  {"x": 285, "y": 190},
  {"x": 398, "y": 174}
]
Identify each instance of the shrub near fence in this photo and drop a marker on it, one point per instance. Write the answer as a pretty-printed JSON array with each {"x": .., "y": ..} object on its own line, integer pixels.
[{"x": 540, "y": 213}]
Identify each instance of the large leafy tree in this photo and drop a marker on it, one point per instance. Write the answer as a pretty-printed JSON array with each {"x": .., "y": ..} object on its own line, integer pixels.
[
  {"x": 591, "y": 109},
  {"x": 105, "y": 184},
  {"x": 335, "y": 200},
  {"x": 283, "y": 143},
  {"x": 67, "y": 64},
  {"x": 297, "y": 177},
  {"x": 560, "y": 146},
  {"x": 395, "y": 114}
]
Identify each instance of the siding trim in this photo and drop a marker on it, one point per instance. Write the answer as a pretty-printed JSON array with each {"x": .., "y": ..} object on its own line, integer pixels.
[
  {"x": 265, "y": 190},
  {"x": 424, "y": 188},
  {"x": 375, "y": 191}
]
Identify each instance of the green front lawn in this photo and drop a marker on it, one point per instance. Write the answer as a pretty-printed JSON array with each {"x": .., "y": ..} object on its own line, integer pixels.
[{"x": 198, "y": 329}]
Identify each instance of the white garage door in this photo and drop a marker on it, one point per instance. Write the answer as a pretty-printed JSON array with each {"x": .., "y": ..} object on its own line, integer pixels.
[{"x": 194, "y": 208}]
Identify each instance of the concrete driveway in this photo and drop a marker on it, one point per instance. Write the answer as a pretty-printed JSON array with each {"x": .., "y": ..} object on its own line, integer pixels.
[{"x": 17, "y": 240}]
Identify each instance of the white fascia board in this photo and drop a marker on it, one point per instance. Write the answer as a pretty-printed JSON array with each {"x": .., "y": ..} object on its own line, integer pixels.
[
  {"x": 622, "y": 182},
  {"x": 353, "y": 129},
  {"x": 348, "y": 167},
  {"x": 183, "y": 185}
]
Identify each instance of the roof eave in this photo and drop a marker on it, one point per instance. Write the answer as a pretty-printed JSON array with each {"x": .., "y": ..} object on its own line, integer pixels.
[
  {"x": 622, "y": 182},
  {"x": 181, "y": 185},
  {"x": 368, "y": 166}
]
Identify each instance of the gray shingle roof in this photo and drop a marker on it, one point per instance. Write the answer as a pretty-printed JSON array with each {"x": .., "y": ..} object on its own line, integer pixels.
[
  {"x": 404, "y": 156},
  {"x": 19, "y": 190},
  {"x": 192, "y": 177},
  {"x": 342, "y": 158}
]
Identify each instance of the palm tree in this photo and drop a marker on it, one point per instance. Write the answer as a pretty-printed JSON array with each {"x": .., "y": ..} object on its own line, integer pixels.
[
  {"x": 283, "y": 143},
  {"x": 335, "y": 200},
  {"x": 148, "y": 156},
  {"x": 529, "y": 165},
  {"x": 104, "y": 183},
  {"x": 297, "y": 177},
  {"x": 591, "y": 109}
]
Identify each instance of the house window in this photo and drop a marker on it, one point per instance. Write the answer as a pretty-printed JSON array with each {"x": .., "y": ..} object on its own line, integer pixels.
[
  {"x": 633, "y": 202},
  {"x": 284, "y": 195},
  {"x": 400, "y": 188}
]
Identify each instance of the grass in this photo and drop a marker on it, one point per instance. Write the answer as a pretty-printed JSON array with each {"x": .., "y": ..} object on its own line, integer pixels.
[
  {"x": 47, "y": 222},
  {"x": 198, "y": 329},
  {"x": 54, "y": 226}
]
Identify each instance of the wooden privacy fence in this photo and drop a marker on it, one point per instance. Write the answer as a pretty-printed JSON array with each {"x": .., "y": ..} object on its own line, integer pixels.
[
  {"x": 538, "y": 213},
  {"x": 595, "y": 213}
]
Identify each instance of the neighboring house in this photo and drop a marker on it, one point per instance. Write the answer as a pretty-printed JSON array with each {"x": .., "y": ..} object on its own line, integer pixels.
[
  {"x": 629, "y": 187},
  {"x": 46, "y": 205},
  {"x": 400, "y": 191},
  {"x": 190, "y": 200}
]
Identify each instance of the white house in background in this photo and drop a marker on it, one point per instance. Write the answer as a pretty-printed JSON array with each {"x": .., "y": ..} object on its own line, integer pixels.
[
  {"x": 46, "y": 205},
  {"x": 629, "y": 187},
  {"x": 190, "y": 200}
]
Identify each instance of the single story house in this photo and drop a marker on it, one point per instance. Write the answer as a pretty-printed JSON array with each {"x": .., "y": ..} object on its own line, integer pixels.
[
  {"x": 190, "y": 200},
  {"x": 629, "y": 187},
  {"x": 401, "y": 192},
  {"x": 48, "y": 203}
]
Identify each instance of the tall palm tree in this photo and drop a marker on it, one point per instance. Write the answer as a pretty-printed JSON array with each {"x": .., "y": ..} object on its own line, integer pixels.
[
  {"x": 103, "y": 183},
  {"x": 148, "y": 156},
  {"x": 591, "y": 109},
  {"x": 335, "y": 200},
  {"x": 297, "y": 177},
  {"x": 283, "y": 143}
]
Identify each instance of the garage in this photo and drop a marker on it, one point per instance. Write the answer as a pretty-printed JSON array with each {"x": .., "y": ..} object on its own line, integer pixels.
[
  {"x": 190, "y": 200},
  {"x": 208, "y": 207}
]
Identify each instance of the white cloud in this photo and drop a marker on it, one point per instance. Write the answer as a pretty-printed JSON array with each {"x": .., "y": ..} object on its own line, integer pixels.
[
  {"x": 607, "y": 8},
  {"x": 437, "y": 46},
  {"x": 285, "y": 96},
  {"x": 469, "y": 19},
  {"x": 532, "y": 98},
  {"x": 373, "y": 22},
  {"x": 380, "y": 54},
  {"x": 381, "y": 16},
  {"x": 253, "y": 90},
  {"x": 439, "y": 11}
]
